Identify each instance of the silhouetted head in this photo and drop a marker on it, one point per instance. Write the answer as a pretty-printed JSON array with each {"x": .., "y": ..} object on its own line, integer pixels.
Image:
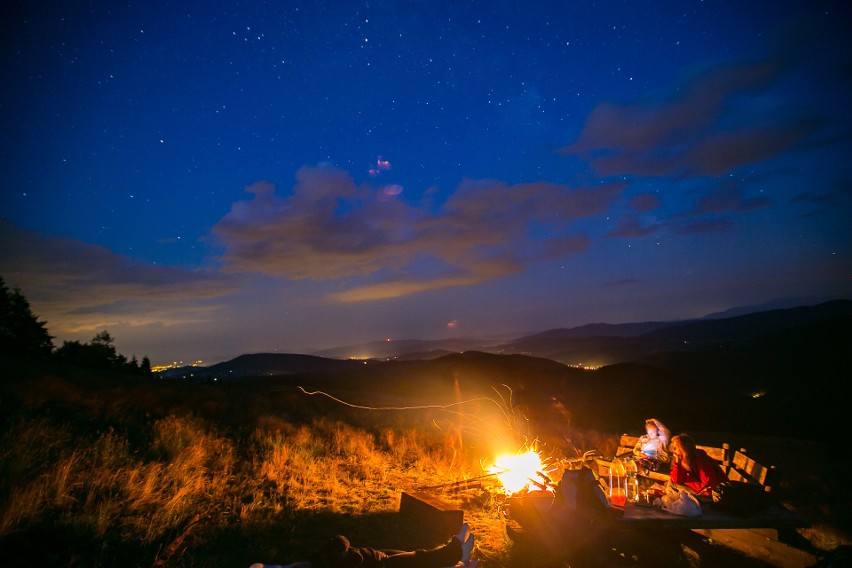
[{"x": 332, "y": 553}]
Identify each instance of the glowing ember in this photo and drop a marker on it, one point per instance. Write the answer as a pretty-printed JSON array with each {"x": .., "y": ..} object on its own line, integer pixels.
[{"x": 515, "y": 470}]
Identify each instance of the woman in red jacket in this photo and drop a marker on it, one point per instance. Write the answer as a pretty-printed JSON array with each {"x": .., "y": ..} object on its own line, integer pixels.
[{"x": 693, "y": 468}]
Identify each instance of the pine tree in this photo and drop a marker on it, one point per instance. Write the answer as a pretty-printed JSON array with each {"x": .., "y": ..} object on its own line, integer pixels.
[{"x": 21, "y": 333}]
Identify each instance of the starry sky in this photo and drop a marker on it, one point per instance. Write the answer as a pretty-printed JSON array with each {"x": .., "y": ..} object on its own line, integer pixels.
[{"x": 206, "y": 179}]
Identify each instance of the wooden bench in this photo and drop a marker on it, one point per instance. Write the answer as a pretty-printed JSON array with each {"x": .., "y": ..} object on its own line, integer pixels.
[
  {"x": 721, "y": 454},
  {"x": 737, "y": 465},
  {"x": 765, "y": 534}
]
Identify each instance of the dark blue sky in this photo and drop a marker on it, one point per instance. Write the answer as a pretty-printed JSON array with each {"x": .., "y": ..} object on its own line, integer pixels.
[{"x": 204, "y": 179}]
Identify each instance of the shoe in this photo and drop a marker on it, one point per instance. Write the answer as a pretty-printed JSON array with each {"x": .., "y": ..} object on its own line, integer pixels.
[
  {"x": 464, "y": 533},
  {"x": 469, "y": 564}
]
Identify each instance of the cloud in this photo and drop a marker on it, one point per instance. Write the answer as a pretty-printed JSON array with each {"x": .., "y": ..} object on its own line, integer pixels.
[
  {"x": 78, "y": 287},
  {"x": 703, "y": 130},
  {"x": 720, "y": 153},
  {"x": 644, "y": 202},
  {"x": 330, "y": 229},
  {"x": 729, "y": 198},
  {"x": 632, "y": 226},
  {"x": 841, "y": 189},
  {"x": 704, "y": 226}
]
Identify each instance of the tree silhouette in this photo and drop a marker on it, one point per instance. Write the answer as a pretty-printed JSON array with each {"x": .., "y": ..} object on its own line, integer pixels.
[
  {"x": 100, "y": 353},
  {"x": 21, "y": 333}
]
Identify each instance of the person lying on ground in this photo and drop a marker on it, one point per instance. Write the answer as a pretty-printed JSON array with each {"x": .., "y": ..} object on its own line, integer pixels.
[{"x": 338, "y": 553}]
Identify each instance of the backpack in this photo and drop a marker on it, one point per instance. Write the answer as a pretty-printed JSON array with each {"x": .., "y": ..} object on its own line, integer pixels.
[{"x": 580, "y": 500}]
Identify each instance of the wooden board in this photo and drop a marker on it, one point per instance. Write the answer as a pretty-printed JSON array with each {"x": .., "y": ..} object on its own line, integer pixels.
[
  {"x": 773, "y": 517},
  {"x": 431, "y": 512},
  {"x": 627, "y": 442}
]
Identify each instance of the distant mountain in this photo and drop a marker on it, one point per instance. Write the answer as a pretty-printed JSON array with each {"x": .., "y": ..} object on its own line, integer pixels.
[
  {"x": 594, "y": 345},
  {"x": 401, "y": 348},
  {"x": 779, "y": 304},
  {"x": 602, "y": 344},
  {"x": 599, "y": 330},
  {"x": 268, "y": 364},
  {"x": 779, "y": 372}
]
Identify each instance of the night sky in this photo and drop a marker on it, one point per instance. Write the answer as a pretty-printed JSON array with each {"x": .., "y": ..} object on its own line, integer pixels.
[{"x": 206, "y": 179}]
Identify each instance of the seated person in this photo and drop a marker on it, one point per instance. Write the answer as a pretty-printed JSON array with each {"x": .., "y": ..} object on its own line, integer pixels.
[
  {"x": 692, "y": 468},
  {"x": 337, "y": 553},
  {"x": 652, "y": 448}
]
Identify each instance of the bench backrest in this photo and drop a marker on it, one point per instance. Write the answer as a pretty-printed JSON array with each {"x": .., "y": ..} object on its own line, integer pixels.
[
  {"x": 737, "y": 465},
  {"x": 627, "y": 442},
  {"x": 746, "y": 470}
]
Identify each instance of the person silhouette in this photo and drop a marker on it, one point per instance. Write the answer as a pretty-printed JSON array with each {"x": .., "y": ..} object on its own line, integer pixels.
[{"x": 338, "y": 553}]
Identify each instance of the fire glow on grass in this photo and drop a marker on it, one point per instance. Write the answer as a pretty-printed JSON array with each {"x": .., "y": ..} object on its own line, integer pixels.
[{"x": 515, "y": 470}]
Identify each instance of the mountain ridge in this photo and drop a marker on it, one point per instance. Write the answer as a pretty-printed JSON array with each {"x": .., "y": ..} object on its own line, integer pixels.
[{"x": 592, "y": 345}]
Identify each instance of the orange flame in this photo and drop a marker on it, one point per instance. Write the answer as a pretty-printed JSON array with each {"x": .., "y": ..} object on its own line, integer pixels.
[{"x": 515, "y": 470}]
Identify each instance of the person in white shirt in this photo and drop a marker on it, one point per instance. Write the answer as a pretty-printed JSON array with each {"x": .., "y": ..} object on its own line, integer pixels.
[{"x": 652, "y": 449}]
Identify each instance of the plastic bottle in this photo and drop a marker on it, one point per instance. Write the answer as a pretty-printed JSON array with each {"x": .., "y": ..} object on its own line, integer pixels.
[
  {"x": 632, "y": 481},
  {"x": 617, "y": 483}
]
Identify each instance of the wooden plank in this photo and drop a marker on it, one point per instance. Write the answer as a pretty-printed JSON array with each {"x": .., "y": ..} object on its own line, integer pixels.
[
  {"x": 711, "y": 518},
  {"x": 431, "y": 512},
  {"x": 746, "y": 469},
  {"x": 761, "y": 544},
  {"x": 657, "y": 476},
  {"x": 717, "y": 454},
  {"x": 627, "y": 442}
]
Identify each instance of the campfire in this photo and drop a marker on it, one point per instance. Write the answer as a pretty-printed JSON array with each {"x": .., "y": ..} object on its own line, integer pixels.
[{"x": 516, "y": 472}]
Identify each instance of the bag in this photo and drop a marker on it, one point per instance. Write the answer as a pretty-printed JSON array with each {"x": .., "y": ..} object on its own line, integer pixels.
[
  {"x": 681, "y": 503},
  {"x": 579, "y": 497},
  {"x": 739, "y": 497}
]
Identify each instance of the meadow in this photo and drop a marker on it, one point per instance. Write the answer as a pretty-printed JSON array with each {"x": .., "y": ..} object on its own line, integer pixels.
[{"x": 97, "y": 470}]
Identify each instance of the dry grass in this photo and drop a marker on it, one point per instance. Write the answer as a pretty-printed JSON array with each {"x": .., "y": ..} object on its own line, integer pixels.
[
  {"x": 100, "y": 476},
  {"x": 127, "y": 492}
]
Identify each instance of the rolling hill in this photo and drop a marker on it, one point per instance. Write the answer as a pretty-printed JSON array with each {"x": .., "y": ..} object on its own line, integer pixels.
[{"x": 762, "y": 373}]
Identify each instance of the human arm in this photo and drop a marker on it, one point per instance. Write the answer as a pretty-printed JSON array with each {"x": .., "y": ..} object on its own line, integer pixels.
[
  {"x": 709, "y": 474},
  {"x": 663, "y": 453},
  {"x": 678, "y": 479},
  {"x": 640, "y": 443},
  {"x": 681, "y": 478}
]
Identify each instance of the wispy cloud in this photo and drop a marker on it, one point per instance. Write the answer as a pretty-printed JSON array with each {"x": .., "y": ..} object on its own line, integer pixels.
[
  {"x": 644, "y": 202},
  {"x": 701, "y": 130},
  {"x": 704, "y": 226},
  {"x": 330, "y": 229},
  {"x": 729, "y": 198},
  {"x": 633, "y": 226},
  {"x": 79, "y": 287}
]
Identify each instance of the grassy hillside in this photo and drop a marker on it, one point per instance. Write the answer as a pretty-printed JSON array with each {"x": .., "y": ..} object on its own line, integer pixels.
[
  {"x": 106, "y": 471},
  {"x": 102, "y": 470}
]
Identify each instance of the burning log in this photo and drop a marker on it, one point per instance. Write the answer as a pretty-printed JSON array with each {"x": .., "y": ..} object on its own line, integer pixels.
[
  {"x": 515, "y": 471},
  {"x": 472, "y": 483}
]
